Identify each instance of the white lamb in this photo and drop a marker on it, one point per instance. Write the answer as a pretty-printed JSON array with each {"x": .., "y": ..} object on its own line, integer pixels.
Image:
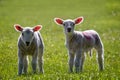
[
  {"x": 29, "y": 43},
  {"x": 78, "y": 42}
]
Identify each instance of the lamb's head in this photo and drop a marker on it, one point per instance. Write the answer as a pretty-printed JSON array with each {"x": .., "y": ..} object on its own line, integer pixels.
[
  {"x": 68, "y": 24},
  {"x": 27, "y": 33}
]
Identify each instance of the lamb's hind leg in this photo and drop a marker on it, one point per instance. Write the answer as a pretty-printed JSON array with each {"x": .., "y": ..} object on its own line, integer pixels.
[
  {"x": 40, "y": 60},
  {"x": 100, "y": 56},
  {"x": 40, "y": 63}
]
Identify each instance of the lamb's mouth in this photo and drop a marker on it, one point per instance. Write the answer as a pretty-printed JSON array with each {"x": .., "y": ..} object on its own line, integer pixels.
[{"x": 69, "y": 30}]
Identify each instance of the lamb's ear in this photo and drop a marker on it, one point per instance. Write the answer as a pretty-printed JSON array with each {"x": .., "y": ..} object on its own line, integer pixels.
[
  {"x": 78, "y": 20},
  {"x": 37, "y": 28},
  {"x": 58, "y": 21},
  {"x": 18, "y": 27}
]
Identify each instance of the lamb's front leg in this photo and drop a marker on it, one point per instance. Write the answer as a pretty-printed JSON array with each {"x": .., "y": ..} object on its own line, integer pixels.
[
  {"x": 82, "y": 60},
  {"x": 79, "y": 61},
  {"x": 34, "y": 62},
  {"x": 71, "y": 61},
  {"x": 25, "y": 62},
  {"x": 20, "y": 62}
]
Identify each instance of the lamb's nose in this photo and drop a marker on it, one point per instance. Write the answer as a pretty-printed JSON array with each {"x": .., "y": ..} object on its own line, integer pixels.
[
  {"x": 69, "y": 29},
  {"x": 27, "y": 43}
]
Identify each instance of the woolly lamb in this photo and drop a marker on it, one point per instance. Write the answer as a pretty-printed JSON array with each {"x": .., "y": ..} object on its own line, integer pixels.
[
  {"x": 30, "y": 43},
  {"x": 78, "y": 42}
]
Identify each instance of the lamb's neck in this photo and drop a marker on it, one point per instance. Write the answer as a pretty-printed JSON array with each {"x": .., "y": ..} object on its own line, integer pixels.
[{"x": 70, "y": 36}]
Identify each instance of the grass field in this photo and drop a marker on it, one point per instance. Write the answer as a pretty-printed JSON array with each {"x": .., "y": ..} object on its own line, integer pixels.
[{"x": 100, "y": 15}]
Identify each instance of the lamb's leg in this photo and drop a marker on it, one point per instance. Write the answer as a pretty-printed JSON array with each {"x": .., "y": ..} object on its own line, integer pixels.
[
  {"x": 71, "y": 62},
  {"x": 100, "y": 56},
  {"x": 20, "y": 62},
  {"x": 82, "y": 61},
  {"x": 25, "y": 62},
  {"x": 34, "y": 62},
  {"x": 40, "y": 61},
  {"x": 78, "y": 60}
]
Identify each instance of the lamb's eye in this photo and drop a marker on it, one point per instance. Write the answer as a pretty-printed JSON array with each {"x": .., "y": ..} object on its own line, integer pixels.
[
  {"x": 63, "y": 24},
  {"x": 72, "y": 24}
]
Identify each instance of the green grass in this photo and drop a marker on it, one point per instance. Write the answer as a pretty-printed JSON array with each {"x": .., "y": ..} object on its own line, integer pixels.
[{"x": 100, "y": 15}]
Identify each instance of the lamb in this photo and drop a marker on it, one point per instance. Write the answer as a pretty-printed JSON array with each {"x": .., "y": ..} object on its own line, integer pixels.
[
  {"x": 29, "y": 43},
  {"x": 80, "y": 42}
]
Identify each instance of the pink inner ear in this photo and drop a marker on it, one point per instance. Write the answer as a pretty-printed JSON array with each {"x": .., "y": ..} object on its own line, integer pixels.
[
  {"x": 18, "y": 27},
  {"x": 37, "y": 28},
  {"x": 59, "y": 21},
  {"x": 78, "y": 20}
]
